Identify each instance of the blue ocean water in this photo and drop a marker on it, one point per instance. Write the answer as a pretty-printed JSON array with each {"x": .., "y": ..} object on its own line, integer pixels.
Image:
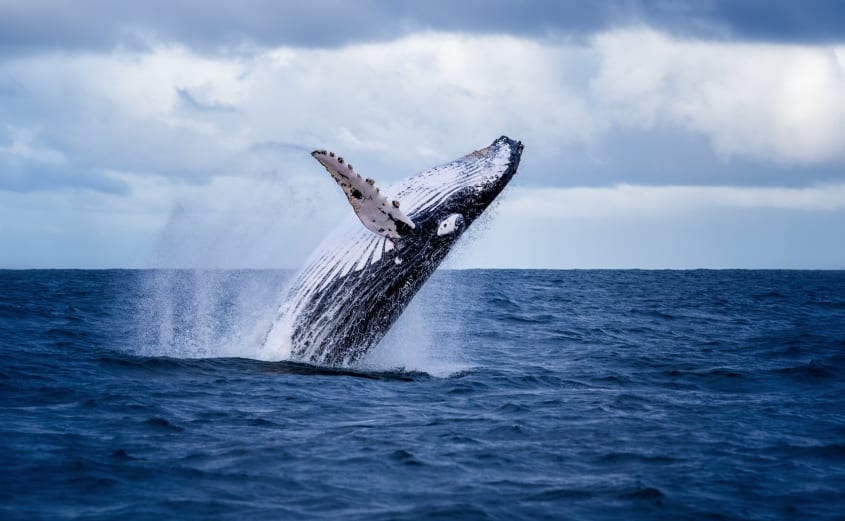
[{"x": 499, "y": 395}]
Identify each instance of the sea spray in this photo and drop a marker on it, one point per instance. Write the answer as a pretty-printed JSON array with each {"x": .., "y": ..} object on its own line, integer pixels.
[
  {"x": 412, "y": 345},
  {"x": 228, "y": 313},
  {"x": 206, "y": 313},
  {"x": 196, "y": 306}
]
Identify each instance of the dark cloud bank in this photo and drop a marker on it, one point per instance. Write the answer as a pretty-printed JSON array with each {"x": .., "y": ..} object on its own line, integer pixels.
[{"x": 214, "y": 25}]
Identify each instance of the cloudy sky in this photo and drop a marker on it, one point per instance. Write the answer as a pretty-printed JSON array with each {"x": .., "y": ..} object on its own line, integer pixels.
[{"x": 666, "y": 134}]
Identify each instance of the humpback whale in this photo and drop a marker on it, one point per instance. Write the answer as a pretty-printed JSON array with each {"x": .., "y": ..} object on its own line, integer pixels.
[{"x": 363, "y": 275}]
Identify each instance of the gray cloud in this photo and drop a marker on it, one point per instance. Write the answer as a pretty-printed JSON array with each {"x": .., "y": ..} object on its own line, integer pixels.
[
  {"x": 212, "y": 26},
  {"x": 190, "y": 101},
  {"x": 209, "y": 26},
  {"x": 37, "y": 178},
  {"x": 668, "y": 156}
]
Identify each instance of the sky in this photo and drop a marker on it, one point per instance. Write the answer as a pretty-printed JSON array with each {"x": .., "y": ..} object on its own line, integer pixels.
[{"x": 665, "y": 134}]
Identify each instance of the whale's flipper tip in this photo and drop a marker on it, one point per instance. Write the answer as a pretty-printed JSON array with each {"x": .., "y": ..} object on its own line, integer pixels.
[{"x": 376, "y": 212}]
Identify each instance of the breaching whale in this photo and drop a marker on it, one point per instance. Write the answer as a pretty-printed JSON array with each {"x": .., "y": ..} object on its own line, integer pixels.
[{"x": 360, "y": 279}]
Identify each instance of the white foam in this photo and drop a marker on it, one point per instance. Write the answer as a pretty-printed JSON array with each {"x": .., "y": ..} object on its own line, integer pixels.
[
  {"x": 209, "y": 314},
  {"x": 410, "y": 345}
]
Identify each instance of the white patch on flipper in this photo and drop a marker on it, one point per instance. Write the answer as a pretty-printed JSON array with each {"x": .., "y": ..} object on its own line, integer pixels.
[
  {"x": 450, "y": 224},
  {"x": 376, "y": 212}
]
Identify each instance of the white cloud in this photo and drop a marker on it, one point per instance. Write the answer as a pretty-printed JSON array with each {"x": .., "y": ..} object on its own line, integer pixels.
[
  {"x": 660, "y": 227},
  {"x": 630, "y": 201},
  {"x": 401, "y": 104},
  {"x": 781, "y": 103},
  {"x": 421, "y": 98},
  {"x": 21, "y": 147},
  {"x": 429, "y": 96}
]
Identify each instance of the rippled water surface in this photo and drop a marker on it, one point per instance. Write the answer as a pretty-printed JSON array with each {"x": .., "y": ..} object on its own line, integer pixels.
[{"x": 499, "y": 395}]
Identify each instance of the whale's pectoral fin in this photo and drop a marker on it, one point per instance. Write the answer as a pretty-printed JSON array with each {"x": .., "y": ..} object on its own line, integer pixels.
[{"x": 379, "y": 214}]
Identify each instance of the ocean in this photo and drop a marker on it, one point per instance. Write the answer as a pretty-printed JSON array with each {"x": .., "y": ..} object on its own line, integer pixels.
[{"x": 580, "y": 395}]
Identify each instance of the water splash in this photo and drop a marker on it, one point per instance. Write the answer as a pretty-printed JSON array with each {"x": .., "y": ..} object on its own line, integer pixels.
[
  {"x": 227, "y": 313},
  {"x": 206, "y": 313},
  {"x": 414, "y": 344}
]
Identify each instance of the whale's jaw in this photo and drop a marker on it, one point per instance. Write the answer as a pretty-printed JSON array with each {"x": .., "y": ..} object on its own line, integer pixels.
[{"x": 357, "y": 283}]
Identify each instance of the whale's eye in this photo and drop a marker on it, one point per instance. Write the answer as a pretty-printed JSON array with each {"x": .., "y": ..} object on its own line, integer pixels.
[{"x": 450, "y": 224}]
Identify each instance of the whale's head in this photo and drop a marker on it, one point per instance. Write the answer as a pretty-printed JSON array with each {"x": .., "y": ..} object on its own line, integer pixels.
[{"x": 445, "y": 200}]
